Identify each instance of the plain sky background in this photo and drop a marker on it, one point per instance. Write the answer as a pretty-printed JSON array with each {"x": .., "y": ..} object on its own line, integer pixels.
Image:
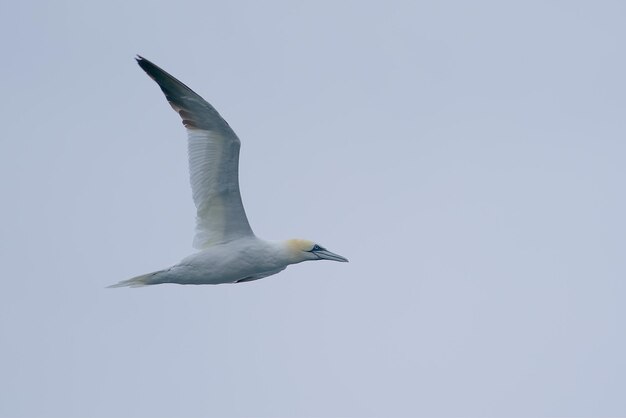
[{"x": 468, "y": 157}]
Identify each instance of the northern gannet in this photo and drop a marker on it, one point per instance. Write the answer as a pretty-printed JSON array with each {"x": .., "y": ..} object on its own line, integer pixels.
[{"x": 229, "y": 250}]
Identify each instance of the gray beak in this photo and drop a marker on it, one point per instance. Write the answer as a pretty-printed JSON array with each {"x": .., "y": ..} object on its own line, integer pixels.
[{"x": 327, "y": 255}]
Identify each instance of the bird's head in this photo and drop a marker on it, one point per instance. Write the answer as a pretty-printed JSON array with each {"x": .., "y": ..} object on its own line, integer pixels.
[{"x": 305, "y": 250}]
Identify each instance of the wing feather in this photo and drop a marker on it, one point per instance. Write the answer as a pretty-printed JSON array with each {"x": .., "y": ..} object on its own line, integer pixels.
[{"x": 213, "y": 149}]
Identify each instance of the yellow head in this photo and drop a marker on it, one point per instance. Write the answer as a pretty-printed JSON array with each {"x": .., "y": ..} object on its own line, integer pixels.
[{"x": 305, "y": 250}]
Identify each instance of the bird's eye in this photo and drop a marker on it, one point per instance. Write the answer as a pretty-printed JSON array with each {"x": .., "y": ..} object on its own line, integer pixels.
[{"x": 318, "y": 248}]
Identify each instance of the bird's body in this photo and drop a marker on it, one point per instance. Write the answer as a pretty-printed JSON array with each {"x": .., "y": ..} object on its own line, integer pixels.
[
  {"x": 229, "y": 250},
  {"x": 241, "y": 260}
]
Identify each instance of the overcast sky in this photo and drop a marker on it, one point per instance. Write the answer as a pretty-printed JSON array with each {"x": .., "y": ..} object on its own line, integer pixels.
[{"x": 467, "y": 157}]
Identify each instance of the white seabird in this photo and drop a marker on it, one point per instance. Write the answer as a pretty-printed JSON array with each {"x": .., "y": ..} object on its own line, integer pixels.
[{"x": 229, "y": 250}]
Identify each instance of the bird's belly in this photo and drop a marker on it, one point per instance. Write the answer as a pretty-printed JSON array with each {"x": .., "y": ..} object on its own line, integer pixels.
[
  {"x": 217, "y": 270},
  {"x": 258, "y": 276}
]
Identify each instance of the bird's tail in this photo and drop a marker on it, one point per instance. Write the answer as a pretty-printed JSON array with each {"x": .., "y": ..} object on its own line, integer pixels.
[{"x": 137, "y": 281}]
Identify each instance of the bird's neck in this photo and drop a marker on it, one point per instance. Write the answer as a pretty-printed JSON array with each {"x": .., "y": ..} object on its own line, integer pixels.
[{"x": 287, "y": 251}]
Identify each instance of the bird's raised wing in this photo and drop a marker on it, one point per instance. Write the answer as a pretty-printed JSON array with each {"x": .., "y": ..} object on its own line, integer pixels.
[{"x": 213, "y": 162}]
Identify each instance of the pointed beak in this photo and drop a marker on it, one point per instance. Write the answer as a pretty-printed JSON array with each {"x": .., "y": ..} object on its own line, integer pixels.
[{"x": 327, "y": 255}]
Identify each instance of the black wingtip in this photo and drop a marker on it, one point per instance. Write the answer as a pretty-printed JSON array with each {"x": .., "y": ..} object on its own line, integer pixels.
[{"x": 147, "y": 65}]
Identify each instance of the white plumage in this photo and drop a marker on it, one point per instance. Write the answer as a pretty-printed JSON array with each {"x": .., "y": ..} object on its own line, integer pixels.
[
  {"x": 229, "y": 250},
  {"x": 213, "y": 166}
]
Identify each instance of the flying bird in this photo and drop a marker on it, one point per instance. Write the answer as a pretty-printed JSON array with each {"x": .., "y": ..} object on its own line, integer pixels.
[{"x": 229, "y": 252}]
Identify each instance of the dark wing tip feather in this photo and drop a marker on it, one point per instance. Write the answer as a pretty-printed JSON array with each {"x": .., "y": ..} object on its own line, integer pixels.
[
  {"x": 182, "y": 99},
  {"x": 164, "y": 79}
]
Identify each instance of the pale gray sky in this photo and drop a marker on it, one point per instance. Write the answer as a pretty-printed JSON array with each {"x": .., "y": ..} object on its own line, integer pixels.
[{"x": 467, "y": 157}]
